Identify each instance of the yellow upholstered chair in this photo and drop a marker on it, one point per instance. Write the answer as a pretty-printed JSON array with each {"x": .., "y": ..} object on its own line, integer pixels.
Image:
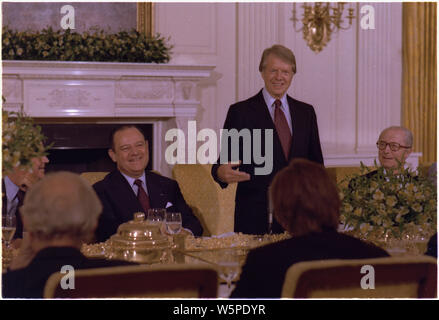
[
  {"x": 214, "y": 206},
  {"x": 158, "y": 281},
  {"x": 93, "y": 177},
  {"x": 394, "y": 277},
  {"x": 340, "y": 173}
]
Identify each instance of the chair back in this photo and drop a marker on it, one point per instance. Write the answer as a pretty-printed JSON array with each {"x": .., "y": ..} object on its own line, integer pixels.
[
  {"x": 390, "y": 277},
  {"x": 214, "y": 206},
  {"x": 338, "y": 174},
  {"x": 93, "y": 177},
  {"x": 138, "y": 281}
]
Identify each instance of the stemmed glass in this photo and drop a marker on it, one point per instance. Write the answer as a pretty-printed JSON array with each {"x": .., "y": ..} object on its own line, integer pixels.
[
  {"x": 173, "y": 222},
  {"x": 8, "y": 231},
  {"x": 228, "y": 267},
  {"x": 9, "y": 226},
  {"x": 156, "y": 216}
]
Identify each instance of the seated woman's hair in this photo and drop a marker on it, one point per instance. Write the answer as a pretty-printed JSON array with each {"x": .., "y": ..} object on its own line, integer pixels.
[
  {"x": 61, "y": 204},
  {"x": 304, "y": 198}
]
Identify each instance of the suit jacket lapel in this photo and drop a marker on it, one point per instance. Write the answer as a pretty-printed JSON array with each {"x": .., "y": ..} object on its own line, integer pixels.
[
  {"x": 122, "y": 189},
  {"x": 157, "y": 196},
  {"x": 261, "y": 114},
  {"x": 298, "y": 124}
]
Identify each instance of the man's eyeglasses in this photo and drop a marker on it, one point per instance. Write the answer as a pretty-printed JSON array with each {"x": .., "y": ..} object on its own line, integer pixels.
[{"x": 382, "y": 145}]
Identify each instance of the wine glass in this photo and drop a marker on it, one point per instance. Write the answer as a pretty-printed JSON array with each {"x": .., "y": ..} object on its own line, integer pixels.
[
  {"x": 156, "y": 216},
  {"x": 173, "y": 222},
  {"x": 228, "y": 267},
  {"x": 9, "y": 226}
]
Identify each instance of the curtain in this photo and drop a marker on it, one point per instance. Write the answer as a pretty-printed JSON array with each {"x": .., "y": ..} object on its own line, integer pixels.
[{"x": 419, "y": 77}]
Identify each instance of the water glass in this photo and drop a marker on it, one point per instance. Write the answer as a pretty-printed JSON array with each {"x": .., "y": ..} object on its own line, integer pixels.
[
  {"x": 173, "y": 222},
  {"x": 156, "y": 216},
  {"x": 229, "y": 266}
]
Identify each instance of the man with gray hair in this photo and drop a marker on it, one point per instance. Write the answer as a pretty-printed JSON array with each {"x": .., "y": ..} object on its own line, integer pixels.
[{"x": 60, "y": 213}]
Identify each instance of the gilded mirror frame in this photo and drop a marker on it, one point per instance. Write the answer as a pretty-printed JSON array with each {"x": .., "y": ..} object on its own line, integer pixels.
[{"x": 145, "y": 18}]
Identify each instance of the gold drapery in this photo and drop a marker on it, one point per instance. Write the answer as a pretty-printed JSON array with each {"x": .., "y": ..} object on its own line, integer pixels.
[{"x": 419, "y": 77}]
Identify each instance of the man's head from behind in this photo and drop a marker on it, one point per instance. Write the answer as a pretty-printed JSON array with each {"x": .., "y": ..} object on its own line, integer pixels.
[
  {"x": 277, "y": 67},
  {"x": 394, "y": 146},
  {"x": 304, "y": 198},
  {"x": 129, "y": 150},
  {"x": 61, "y": 206}
]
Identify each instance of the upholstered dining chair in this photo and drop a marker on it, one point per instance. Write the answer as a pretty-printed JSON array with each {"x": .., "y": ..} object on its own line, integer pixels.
[
  {"x": 158, "y": 281},
  {"x": 214, "y": 206},
  {"x": 338, "y": 174},
  {"x": 93, "y": 177},
  {"x": 392, "y": 277}
]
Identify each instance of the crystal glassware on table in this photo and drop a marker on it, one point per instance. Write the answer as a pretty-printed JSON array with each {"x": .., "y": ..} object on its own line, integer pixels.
[
  {"x": 229, "y": 267},
  {"x": 156, "y": 216},
  {"x": 8, "y": 229},
  {"x": 173, "y": 222}
]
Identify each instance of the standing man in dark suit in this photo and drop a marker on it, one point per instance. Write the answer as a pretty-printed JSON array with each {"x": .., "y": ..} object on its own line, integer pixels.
[
  {"x": 295, "y": 135},
  {"x": 14, "y": 187},
  {"x": 131, "y": 188}
]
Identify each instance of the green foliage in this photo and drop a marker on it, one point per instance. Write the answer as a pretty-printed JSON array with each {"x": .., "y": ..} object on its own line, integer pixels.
[
  {"x": 96, "y": 45},
  {"x": 22, "y": 141},
  {"x": 388, "y": 204}
]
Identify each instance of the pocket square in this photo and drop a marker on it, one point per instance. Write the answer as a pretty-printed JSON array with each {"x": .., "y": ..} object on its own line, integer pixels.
[{"x": 169, "y": 204}]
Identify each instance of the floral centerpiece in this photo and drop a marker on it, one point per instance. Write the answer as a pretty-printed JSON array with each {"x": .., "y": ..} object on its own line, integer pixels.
[
  {"x": 381, "y": 205},
  {"x": 22, "y": 140},
  {"x": 94, "y": 45}
]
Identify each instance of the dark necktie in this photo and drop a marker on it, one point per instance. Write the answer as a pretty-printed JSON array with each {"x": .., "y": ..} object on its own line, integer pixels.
[
  {"x": 142, "y": 196},
  {"x": 19, "y": 223},
  {"x": 283, "y": 131}
]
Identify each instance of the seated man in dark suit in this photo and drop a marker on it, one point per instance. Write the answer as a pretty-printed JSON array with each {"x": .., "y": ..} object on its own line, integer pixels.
[
  {"x": 131, "y": 188},
  {"x": 306, "y": 203},
  {"x": 60, "y": 212},
  {"x": 14, "y": 187}
]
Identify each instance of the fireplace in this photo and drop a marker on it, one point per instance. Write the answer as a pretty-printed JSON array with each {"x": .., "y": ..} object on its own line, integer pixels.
[
  {"x": 83, "y": 147},
  {"x": 78, "y": 102}
]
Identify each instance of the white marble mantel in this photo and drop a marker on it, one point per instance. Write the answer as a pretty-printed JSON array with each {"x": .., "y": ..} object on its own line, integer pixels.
[
  {"x": 100, "y": 89},
  {"x": 166, "y": 95}
]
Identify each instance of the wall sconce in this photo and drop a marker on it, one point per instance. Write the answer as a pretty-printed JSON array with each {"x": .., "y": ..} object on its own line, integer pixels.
[{"x": 319, "y": 24}]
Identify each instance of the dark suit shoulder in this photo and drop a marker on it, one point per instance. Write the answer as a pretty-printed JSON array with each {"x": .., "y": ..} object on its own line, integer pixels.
[
  {"x": 299, "y": 104},
  {"x": 112, "y": 177},
  {"x": 158, "y": 177}
]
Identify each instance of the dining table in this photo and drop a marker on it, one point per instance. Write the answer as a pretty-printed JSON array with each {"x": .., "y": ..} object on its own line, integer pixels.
[{"x": 209, "y": 251}]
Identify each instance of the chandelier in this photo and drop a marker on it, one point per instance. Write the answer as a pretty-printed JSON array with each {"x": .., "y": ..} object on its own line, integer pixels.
[{"x": 319, "y": 23}]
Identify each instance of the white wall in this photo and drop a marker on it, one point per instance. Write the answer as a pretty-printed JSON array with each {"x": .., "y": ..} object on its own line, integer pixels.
[{"x": 354, "y": 84}]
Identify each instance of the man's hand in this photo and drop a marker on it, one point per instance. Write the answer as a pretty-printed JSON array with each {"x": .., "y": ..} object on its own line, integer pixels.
[{"x": 227, "y": 174}]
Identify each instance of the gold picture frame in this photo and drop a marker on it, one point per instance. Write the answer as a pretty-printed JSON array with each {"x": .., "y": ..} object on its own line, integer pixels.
[{"x": 145, "y": 18}]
